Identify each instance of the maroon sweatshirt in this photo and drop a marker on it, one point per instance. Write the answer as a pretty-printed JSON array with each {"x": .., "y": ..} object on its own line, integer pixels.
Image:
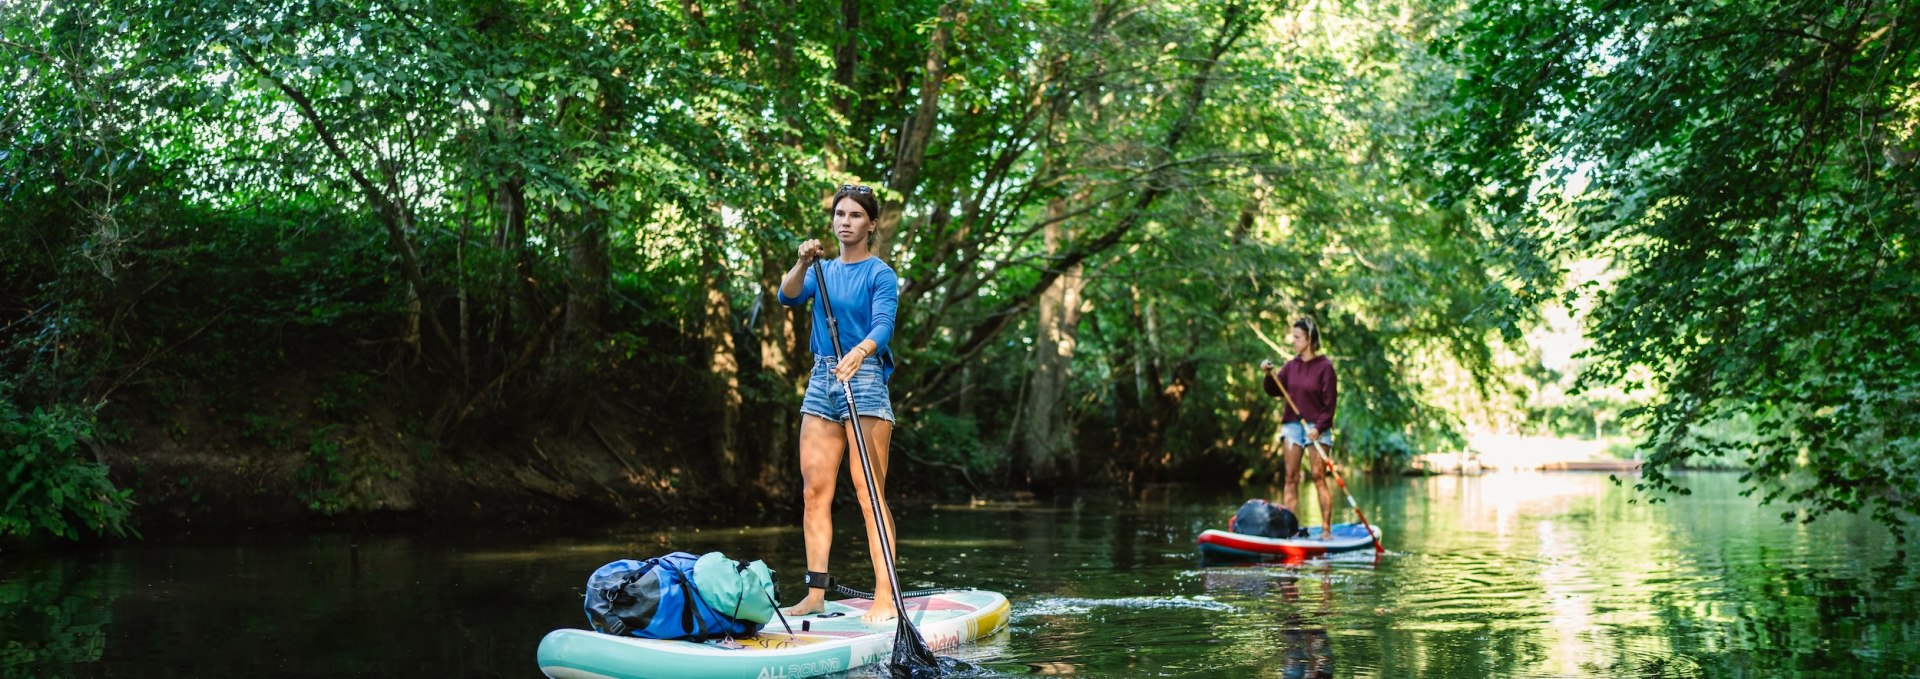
[{"x": 1313, "y": 387}]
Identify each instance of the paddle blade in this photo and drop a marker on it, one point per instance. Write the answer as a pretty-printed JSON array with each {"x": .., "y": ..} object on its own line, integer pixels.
[
  {"x": 911, "y": 657},
  {"x": 1272, "y": 387}
]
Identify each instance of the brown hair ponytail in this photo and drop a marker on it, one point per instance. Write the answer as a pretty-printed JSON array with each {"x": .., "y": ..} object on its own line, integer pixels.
[{"x": 1307, "y": 325}]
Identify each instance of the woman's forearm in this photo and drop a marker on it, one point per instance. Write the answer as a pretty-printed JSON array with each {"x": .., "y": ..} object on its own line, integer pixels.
[{"x": 795, "y": 281}]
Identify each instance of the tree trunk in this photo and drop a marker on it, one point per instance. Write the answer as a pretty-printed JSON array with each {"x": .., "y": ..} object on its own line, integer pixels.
[
  {"x": 846, "y": 59},
  {"x": 723, "y": 362},
  {"x": 1048, "y": 436},
  {"x": 1148, "y": 401},
  {"x": 905, "y": 178},
  {"x": 589, "y": 253},
  {"x": 783, "y": 356},
  {"x": 592, "y": 269}
]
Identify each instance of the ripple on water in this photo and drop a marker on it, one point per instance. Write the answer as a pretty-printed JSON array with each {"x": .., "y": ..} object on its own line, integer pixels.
[
  {"x": 1443, "y": 591},
  {"x": 1076, "y": 606}
]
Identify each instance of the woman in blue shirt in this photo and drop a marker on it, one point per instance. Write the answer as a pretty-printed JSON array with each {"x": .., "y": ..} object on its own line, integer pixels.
[{"x": 864, "y": 293}]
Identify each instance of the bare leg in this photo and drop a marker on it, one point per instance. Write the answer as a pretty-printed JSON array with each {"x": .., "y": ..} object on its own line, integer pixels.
[
  {"x": 822, "y": 443},
  {"x": 1290, "y": 480},
  {"x": 879, "y": 434},
  {"x": 1326, "y": 496}
]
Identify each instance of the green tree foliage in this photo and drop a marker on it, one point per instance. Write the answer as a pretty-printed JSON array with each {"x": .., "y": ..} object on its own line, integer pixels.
[
  {"x": 50, "y": 487},
  {"x": 56, "y": 624},
  {"x": 1220, "y": 171},
  {"x": 523, "y": 216},
  {"x": 1749, "y": 168}
]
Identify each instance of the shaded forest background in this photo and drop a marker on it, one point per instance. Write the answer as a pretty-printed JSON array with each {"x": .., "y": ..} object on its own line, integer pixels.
[{"x": 493, "y": 260}]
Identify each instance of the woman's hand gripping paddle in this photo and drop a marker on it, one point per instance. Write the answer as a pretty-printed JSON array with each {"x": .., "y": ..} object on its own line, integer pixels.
[
  {"x": 1328, "y": 459},
  {"x": 911, "y": 657}
]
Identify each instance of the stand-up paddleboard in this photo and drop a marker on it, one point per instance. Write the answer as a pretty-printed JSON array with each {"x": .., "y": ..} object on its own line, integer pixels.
[
  {"x": 834, "y": 641},
  {"x": 1220, "y": 545}
]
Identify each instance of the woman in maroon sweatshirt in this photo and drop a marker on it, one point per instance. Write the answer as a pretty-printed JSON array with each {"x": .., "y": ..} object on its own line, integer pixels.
[{"x": 1309, "y": 379}]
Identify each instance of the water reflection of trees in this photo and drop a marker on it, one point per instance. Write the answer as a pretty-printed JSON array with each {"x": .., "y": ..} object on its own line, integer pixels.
[
  {"x": 1565, "y": 575},
  {"x": 56, "y": 620},
  {"x": 1303, "y": 607},
  {"x": 1790, "y": 621}
]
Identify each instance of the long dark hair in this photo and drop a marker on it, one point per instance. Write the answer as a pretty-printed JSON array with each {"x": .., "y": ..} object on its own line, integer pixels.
[{"x": 1307, "y": 325}]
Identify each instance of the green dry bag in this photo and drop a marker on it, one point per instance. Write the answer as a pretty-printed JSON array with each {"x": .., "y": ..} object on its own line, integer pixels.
[{"x": 743, "y": 591}]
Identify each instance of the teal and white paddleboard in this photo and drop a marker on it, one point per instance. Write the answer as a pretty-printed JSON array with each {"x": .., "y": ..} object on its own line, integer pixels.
[{"x": 820, "y": 644}]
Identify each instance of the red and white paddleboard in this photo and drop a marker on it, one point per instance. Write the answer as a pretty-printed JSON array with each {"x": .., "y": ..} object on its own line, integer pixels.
[{"x": 1220, "y": 545}]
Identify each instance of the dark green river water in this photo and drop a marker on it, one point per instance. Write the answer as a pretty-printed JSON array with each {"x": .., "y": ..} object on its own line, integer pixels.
[{"x": 1499, "y": 575}]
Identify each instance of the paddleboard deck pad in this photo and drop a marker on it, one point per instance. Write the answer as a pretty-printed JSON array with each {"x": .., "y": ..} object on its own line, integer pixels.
[
  {"x": 1220, "y": 545},
  {"x": 825, "y": 643}
]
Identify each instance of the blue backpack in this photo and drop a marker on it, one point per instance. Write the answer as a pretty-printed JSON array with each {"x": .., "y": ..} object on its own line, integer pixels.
[{"x": 656, "y": 599}]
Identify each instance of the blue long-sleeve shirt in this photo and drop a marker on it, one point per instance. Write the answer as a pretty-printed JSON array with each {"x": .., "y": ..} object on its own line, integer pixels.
[{"x": 865, "y": 295}]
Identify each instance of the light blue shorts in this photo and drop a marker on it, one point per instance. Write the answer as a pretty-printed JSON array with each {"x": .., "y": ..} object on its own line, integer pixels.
[
  {"x": 826, "y": 398},
  {"x": 1296, "y": 434}
]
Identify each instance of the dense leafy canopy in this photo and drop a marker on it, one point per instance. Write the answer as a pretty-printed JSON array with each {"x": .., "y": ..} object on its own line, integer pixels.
[
  {"x": 467, "y": 226},
  {"x": 1749, "y": 170}
]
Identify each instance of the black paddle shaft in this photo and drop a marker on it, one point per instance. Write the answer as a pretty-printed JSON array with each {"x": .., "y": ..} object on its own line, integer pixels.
[{"x": 924, "y": 659}]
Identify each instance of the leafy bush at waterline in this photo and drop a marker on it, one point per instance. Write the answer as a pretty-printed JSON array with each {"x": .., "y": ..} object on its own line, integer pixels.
[{"x": 49, "y": 487}]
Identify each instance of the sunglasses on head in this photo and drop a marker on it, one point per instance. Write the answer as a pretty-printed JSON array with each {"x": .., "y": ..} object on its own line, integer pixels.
[{"x": 855, "y": 188}]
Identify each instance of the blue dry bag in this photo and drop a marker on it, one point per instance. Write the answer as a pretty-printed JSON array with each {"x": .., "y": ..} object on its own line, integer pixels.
[{"x": 656, "y": 599}]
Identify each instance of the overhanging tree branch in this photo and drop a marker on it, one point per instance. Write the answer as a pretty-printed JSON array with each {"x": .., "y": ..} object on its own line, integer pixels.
[
  {"x": 392, "y": 214},
  {"x": 1234, "y": 24}
]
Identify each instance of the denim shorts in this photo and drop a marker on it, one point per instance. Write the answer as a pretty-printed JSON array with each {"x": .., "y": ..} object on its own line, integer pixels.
[
  {"x": 1296, "y": 434},
  {"x": 826, "y": 398}
]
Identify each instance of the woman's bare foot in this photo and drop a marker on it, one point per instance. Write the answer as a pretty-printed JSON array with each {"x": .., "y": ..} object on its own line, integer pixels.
[
  {"x": 881, "y": 613},
  {"x": 816, "y": 602},
  {"x": 1326, "y": 532}
]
